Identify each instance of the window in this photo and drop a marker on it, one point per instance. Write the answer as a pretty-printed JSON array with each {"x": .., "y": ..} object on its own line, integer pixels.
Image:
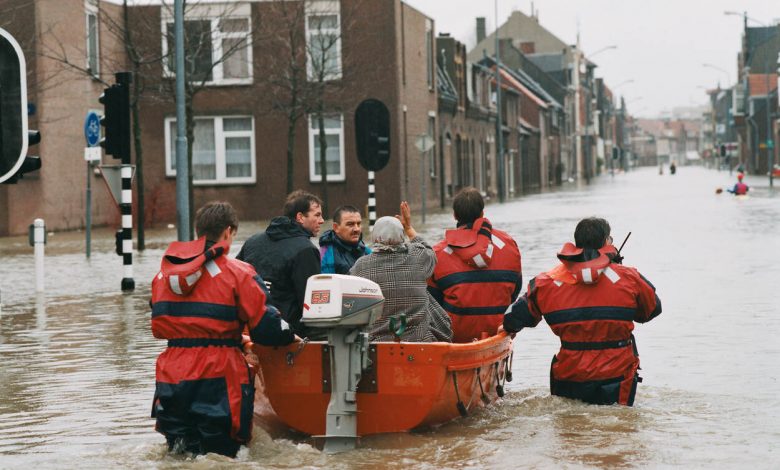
[
  {"x": 222, "y": 151},
  {"x": 323, "y": 40},
  {"x": 334, "y": 148},
  {"x": 432, "y": 151},
  {"x": 93, "y": 56},
  {"x": 429, "y": 52},
  {"x": 217, "y": 50}
]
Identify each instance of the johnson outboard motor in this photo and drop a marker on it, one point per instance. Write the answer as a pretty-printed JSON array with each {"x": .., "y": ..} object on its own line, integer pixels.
[{"x": 341, "y": 308}]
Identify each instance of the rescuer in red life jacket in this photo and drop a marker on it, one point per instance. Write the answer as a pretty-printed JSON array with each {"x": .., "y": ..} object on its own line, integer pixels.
[
  {"x": 740, "y": 188},
  {"x": 478, "y": 271},
  {"x": 201, "y": 302},
  {"x": 591, "y": 302}
]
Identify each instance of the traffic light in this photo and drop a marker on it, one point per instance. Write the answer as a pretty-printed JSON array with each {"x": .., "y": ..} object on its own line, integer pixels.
[
  {"x": 15, "y": 138},
  {"x": 372, "y": 133},
  {"x": 116, "y": 118},
  {"x": 722, "y": 150}
]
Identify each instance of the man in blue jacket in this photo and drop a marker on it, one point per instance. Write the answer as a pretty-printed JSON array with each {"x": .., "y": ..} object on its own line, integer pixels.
[{"x": 343, "y": 245}]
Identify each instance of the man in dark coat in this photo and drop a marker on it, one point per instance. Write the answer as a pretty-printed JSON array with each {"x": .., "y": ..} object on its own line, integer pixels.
[{"x": 284, "y": 255}]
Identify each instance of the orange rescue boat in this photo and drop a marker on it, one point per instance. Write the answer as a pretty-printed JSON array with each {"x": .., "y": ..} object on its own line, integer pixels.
[
  {"x": 409, "y": 385},
  {"x": 382, "y": 387}
]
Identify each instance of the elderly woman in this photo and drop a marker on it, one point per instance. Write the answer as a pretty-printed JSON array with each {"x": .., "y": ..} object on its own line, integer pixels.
[{"x": 401, "y": 269}]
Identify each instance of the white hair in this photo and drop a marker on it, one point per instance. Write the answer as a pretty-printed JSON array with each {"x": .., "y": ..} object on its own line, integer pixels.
[{"x": 388, "y": 230}]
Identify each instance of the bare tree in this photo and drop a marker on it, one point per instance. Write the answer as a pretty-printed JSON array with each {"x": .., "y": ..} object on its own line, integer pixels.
[
  {"x": 137, "y": 57},
  {"x": 205, "y": 59},
  {"x": 307, "y": 74},
  {"x": 286, "y": 71}
]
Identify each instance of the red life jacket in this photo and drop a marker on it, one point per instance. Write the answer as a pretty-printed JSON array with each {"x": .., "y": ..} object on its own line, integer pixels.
[
  {"x": 477, "y": 276},
  {"x": 591, "y": 304},
  {"x": 740, "y": 188},
  {"x": 201, "y": 302}
]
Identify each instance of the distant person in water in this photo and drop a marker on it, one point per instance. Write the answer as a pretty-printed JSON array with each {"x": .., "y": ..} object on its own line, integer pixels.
[
  {"x": 672, "y": 168},
  {"x": 740, "y": 188}
]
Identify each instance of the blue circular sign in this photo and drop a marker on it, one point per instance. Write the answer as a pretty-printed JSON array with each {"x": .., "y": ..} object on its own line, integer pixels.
[{"x": 92, "y": 128}]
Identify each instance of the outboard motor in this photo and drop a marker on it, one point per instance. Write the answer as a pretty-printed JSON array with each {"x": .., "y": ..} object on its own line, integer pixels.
[{"x": 341, "y": 308}]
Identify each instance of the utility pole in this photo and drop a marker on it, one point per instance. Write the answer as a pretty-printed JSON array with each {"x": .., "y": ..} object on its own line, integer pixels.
[
  {"x": 182, "y": 173},
  {"x": 577, "y": 129},
  {"x": 770, "y": 140},
  {"x": 499, "y": 132}
]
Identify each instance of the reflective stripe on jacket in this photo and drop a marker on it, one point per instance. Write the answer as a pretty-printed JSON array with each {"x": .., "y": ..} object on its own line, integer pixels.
[
  {"x": 201, "y": 302},
  {"x": 477, "y": 276},
  {"x": 592, "y": 306}
]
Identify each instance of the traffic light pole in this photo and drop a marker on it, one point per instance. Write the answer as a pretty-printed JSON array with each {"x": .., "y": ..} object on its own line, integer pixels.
[
  {"x": 126, "y": 202},
  {"x": 182, "y": 171}
]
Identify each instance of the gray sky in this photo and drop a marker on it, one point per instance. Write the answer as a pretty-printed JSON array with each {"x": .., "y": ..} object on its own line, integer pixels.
[{"x": 662, "y": 44}]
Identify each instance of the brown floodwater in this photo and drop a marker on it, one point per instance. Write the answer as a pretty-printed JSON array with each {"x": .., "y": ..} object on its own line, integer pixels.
[{"x": 77, "y": 363}]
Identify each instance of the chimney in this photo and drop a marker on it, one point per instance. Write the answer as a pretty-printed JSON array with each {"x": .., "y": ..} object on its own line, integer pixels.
[
  {"x": 528, "y": 47},
  {"x": 480, "y": 29}
]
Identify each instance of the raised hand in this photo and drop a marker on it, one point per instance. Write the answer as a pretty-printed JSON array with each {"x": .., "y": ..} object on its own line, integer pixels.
[{"x": 406, "y": 220}]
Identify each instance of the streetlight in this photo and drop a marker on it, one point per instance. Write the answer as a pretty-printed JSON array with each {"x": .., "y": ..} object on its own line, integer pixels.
[
  {"x": 605, "y": 48},
  {"x": 769, "y": 135},
  {"x": 624, "y": 82},
  {"x": 728, "y": 76}
]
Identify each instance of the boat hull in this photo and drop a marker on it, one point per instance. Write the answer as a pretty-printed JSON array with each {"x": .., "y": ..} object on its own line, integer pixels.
[{"x": 409, "y": 385}]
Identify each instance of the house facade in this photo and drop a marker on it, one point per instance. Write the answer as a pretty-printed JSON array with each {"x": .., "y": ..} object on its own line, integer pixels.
[
  {"x": 67, "y": 51},
  {"x": 241, "y": 136}
]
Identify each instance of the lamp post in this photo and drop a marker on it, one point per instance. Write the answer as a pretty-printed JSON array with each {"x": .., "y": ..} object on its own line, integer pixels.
[
  {"x": 720, "y": 69},
  {"x": 605, "y": 48},
  {"x": 769, "y": 144},
  {"x": 585, "y": 167},
  {"x": 499, "y": 129},
  {"x": 624, "y": 82}
]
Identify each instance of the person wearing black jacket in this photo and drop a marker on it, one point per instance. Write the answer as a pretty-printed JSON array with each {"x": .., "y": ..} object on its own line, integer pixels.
[{"x": 284, "y": 255}]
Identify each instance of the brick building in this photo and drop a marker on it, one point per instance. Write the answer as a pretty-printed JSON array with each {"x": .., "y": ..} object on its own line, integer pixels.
[
  {"x": 61, "y": 41},
  {"x": 383, "y": 49}
]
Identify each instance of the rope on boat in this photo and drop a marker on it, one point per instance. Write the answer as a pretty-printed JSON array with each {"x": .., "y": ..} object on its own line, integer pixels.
[
  {"x": 461, "y": 407},
  {"x": 508, "y": 374},
  {"x": 292, "y": 354},
  {"x": 499, "y": 385},
  {"x": 484, "y": 397}
]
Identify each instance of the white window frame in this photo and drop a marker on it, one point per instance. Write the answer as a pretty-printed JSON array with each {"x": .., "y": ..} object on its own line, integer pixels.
[
  {"x": 314, "y": 133},
  {"x": 429, "y": 54},
  {"x": 91, "y": 9},
  {"x": 219, "y": 150},
  {"x": 432, "y": 152},
  {"x": 214, "y": 14},
  {"x": 323, "y": 8}
]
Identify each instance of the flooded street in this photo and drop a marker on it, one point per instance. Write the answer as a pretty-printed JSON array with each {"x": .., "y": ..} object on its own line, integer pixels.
[{"x": 77, "y": 364}]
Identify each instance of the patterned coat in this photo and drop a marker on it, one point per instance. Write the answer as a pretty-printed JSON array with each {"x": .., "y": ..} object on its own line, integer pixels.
[{"x": 402, "y": 272}]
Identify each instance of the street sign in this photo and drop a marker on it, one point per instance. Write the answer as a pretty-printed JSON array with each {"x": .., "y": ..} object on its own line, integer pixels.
[
  {"x": 424, "y": 142},
  {"x": 112, "y": 175},
  {"x": 92, "y": 154},
  {"x": 92, "y": 128}
]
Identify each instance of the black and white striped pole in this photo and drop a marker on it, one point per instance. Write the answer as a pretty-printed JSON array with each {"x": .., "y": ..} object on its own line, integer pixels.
[
  {"x": 126, "y": 209},
  {"x": 371, "y": 201}
]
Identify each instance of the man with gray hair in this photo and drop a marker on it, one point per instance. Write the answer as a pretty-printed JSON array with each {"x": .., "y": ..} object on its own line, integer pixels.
[{"x": 401, "y": 269}]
